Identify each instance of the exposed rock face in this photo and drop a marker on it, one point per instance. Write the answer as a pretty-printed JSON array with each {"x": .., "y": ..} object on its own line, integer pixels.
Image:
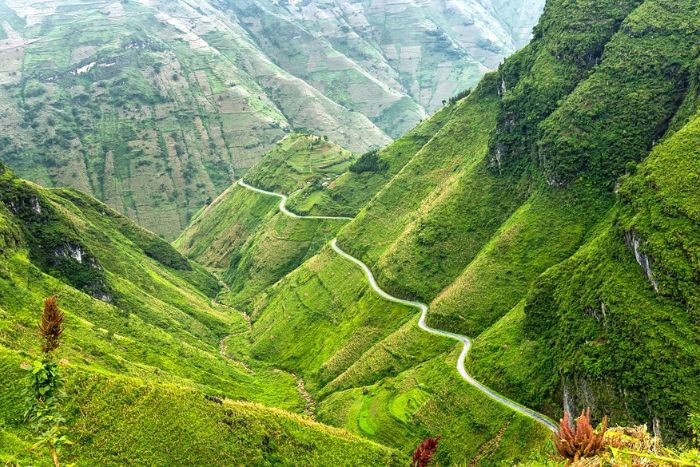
[{"x": 634, "y": 242}]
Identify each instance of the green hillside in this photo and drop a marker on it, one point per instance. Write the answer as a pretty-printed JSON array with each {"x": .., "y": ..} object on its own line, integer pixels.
[
  {"x": 156, "y": 107},
  {"x": 139, "y": 107},
  {"x": 551, "y": 214},
  {"x": 243, "y": 236},
  {"x": 115, "y": 421},
  {"x": 507, "y": 214},
  {"x": 145, "y": 343}
]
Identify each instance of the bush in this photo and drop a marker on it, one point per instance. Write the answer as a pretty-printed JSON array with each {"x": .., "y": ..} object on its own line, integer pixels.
[
  {"x": 369, "y": 162},
  {"x": 582, "y": 441}
]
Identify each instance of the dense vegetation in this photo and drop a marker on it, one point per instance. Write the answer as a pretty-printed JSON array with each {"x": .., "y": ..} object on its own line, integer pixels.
[
  {"x": 155, "y": 108},
  {"x": 511, "y": 219},
  {"x": 551, "y": 214},
  {"x": 145, "y": 365},
  {"x": 244, "y": 237}
]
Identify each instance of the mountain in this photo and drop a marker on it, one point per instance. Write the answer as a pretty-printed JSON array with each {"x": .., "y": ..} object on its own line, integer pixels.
[
  {"x": 550, "y": 215},
  {"x": 155, "y": 107},
  {"x": 392, "y": 61},
  {"x": 242, "y": 235},
  {"x": 156, "y": 370}
]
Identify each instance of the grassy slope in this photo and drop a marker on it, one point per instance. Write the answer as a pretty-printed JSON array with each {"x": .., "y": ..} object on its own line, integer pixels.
[
  {"x": 242, "y": 233},
  {"x": 610, "y": 332},
  {"x": 345, "y": 338},
  {"x": 348, "y": 193},
  {"x": 149, "y": 315},
  {"x": 222, "y": 228},
  {"x": 646, "y": 340},
  {"x": 471, "y": 230},
  {"x": 297, "y": 161},
  {"x": 115, "y": 420},
  {"x": 138, "y": 368}
]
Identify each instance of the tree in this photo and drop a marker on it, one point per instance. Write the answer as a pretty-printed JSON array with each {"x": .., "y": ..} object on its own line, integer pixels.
[
  {"x": 369, "y": 162},
  {"x": 45, "y": 386}
]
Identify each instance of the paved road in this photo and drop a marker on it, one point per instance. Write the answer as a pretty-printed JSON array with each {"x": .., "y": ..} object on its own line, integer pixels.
[
  {"x": 465, "y": 350},
  {"x": 421, "y": 322},
  {"x": 283, "y": 204}
]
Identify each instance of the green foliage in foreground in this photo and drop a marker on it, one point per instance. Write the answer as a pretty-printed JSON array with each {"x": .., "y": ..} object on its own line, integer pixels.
[{"x": 115, "y": 421}]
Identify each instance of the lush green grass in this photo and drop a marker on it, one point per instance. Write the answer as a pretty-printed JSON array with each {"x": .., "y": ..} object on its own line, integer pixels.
[
  {"x": 615, "y": 325},
  {"x": 113, "y": 420},
  {"x": 243, "y": 235},
  {"x": 298, "y": 161},
  {"x": 140, "y": 361},
  {"x": 541, "y": 274},
  {"x": 145, "y": 317},
  {"x": 349, "y": 192},
  {"x": 222, "y": 228},
  {"x": 431, "y": 399},
  {"x": 545, "y": 230},
  {"x": 512, "y": 257},
  {"x": 278, "y": 247}
]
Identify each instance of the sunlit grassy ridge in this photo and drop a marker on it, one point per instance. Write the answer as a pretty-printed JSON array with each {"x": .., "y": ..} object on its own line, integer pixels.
[
  {"x": 114, "y": 420},
  {"x": 142, "y": 348}
]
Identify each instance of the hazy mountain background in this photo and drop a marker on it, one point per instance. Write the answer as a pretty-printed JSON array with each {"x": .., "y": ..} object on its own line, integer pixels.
[{"x": 156, "y": 106}]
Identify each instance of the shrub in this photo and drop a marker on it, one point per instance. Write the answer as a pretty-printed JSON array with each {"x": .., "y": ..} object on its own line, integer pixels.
[
  {"x": 425, "y": 452},
  {"x": 369, "y": 162},
  {"x": 44, "y": 384},
  {"x": 582, "y": 441}
]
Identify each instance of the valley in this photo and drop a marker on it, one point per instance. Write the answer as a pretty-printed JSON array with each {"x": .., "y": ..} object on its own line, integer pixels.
[
  {"x": 422, "y": 307},
  {"x": 155, "y": 107},
  {"x": 378, "y": 234}
]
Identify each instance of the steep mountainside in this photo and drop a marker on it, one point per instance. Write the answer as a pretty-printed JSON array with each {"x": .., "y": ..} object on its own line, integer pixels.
[
  {"x": 145, "y": 346},
  {"x": 391, "y": 61},
  {"x": 508, "y": 214},
  {"x": 156, "y": 106},
  {"x": 243, "y": 235},
  {"x": 151, "y": 108}
]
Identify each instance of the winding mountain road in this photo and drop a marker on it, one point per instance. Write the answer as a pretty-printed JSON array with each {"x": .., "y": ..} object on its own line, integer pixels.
[
  {"x": 544, "y": 420},
  {"x": 283, "y": 204}
]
